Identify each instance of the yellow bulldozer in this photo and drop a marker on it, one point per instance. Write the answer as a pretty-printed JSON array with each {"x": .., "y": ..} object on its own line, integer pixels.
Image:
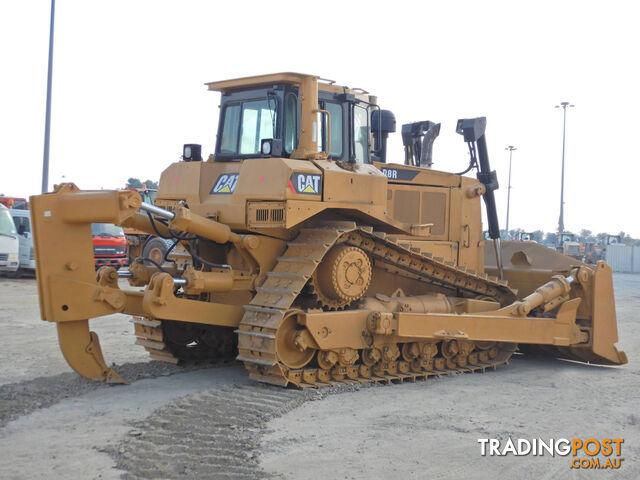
[{"x": 297, "y": 249}]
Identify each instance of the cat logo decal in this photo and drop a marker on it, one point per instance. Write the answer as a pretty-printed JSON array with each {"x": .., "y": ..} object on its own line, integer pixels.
[
  {"x": 226, "y": 183},
  {"x": 306, "y": 183}
]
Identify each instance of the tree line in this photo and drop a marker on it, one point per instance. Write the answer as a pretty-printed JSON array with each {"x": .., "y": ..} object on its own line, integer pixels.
[{"x": 137, "y": 183}]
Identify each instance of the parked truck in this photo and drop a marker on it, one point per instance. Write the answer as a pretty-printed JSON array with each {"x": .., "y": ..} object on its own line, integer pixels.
[
  {"x": 9, "y": 244},
  {"x": 109, "y": 246},
  {"x": 14, "y": 202},
  {"x": 22, "y": 221},
  {"x": 141, "y": 244}
]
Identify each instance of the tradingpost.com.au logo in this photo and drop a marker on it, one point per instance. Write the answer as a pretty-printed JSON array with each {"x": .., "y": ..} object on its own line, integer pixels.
[{"x": 590, "y": 453}]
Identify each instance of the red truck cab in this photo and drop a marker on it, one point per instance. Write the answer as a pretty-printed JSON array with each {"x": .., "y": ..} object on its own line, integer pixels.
[
  {"x": 14, "y": 202},
  {"x": 109, "y": 246}
]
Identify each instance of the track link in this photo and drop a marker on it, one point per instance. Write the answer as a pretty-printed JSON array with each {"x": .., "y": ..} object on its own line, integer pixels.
[
  {"x": 149, "y": 335},
  {"x": 207, "y": 343},
  {"x": 263, "y": 317}
]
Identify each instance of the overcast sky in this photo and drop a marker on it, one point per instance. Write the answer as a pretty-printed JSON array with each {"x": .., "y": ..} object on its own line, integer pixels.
[{"x": 128, "y": 87}]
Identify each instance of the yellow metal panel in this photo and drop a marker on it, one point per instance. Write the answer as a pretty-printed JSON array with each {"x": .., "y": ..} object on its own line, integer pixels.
[
  {"x": 419, "y": 205},
  {"x": 605, "y": 327},
  {"x": 356, "y": 183},
  {"x": 419, "y": 176},
  {"x": 541, "y": 331},
  {"x": 258, "y": 81},
  {"x": 63, "y": 246},
  {"x": 469, "y": 227},
  {"x": 330, "y": 330}
]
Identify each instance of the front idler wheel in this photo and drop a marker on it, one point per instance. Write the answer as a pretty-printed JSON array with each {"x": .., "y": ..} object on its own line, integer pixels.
[{"x": 290, "y": 350}]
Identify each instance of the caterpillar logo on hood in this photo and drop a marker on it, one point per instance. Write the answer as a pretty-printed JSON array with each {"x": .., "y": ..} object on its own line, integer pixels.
[
  {"x": 306, "y": 183},
  {"x": 226, "y": 183}
]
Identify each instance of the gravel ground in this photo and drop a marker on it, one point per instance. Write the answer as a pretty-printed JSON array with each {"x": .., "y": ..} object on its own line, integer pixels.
[
  {"x": 212, "y": 434},
  {"x": 213, "y": 422},
  {"x": 430, "y": 429},
  {"x": 30, "y": 345}
]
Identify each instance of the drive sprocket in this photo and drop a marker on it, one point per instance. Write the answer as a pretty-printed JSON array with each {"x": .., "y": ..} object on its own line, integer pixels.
[{"x": 342, "y": 277}]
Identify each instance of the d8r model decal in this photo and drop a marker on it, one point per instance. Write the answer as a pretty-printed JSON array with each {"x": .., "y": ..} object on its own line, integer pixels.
[{"x": 399, "y": 174}]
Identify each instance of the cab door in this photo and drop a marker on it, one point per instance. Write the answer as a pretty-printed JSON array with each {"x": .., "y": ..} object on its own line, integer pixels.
[{"x": 23, "y": 227}]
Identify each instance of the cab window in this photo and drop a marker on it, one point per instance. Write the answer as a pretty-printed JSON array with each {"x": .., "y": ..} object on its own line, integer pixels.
[
  {"x": 361, "y": 134},
  {"x": 229, "y": 142},
  {"x": 149, "y": 196},
  {"x": 22, "y": 224},
  {"x": 290, "y": 123},
  {"x": 245, "y": 125},
  {"x": 258, "y": 123},
  {"x": 106, "y": 230},
  {"x": 335, "y": 112},
  {"x": 7, "y": 227}
]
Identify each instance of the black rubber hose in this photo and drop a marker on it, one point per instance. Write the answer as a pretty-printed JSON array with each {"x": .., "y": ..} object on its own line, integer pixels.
[{"x": 205, "y": 262}]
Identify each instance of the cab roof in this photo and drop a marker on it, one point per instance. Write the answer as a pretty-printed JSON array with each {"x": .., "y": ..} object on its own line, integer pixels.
[{"x": 291, "y": 78}]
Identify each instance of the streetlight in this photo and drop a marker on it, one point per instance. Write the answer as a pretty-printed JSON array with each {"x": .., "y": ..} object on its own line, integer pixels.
[
  {"x": 564, "y": 106},
  {"x": 510, "y": 148},
  {"x": 47, "y": 120}
]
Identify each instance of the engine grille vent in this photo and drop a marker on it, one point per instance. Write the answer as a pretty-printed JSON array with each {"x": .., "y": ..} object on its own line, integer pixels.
[
  {"x": 262, "y": 215},
  {"x": 277, "y": 214},
  {"x": 266, "y": 214}
]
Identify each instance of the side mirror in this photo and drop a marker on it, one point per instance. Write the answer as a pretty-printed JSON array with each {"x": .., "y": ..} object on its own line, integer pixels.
[
  {"x": 383, "y": 122},
  {"x": 21, "y": 230}
]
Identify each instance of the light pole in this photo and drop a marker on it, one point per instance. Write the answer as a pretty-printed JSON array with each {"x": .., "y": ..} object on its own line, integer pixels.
[
  {"x": 564, "y": 106},
  {"x": 510, "y": 148},
  {"x": 47, "y": 120}
]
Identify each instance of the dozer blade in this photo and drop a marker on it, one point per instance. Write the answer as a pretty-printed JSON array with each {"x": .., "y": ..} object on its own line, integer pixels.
[
  {"x": 601, "y": 348},
  {"x": 605, "y": 327},
  {"x": 81, "y": 350}
]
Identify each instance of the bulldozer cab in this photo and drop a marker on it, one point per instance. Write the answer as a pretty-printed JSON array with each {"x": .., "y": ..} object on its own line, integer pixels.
[{"x": 261, "y": 121}]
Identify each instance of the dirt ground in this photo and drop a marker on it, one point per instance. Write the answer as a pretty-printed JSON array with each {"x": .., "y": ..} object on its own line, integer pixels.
[{"x": 212, "y": 422}]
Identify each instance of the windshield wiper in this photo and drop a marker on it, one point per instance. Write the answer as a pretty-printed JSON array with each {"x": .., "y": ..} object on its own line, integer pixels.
[{"x": 7, "y": 235}]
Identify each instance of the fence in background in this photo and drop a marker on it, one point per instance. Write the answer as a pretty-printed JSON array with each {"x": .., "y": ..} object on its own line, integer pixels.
[{"x": 623, "y": 258}]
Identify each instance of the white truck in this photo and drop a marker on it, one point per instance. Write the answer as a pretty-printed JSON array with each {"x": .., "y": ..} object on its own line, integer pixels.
[
  {"x": 22, "y": 221},
  {"x": 9, "y": 244}
]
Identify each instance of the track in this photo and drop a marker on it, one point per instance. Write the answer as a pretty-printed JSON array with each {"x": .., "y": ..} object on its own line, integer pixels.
[
  {"x": 276, "y": 298},
  {"x": 173, "y": 342},
  {"x": 269, "y": 310}
]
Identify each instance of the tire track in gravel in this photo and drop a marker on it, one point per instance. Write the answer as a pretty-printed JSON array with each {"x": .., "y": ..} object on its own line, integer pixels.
[
  {"x": 17, "y": 399},
  {"x": 214, "y": 434}
]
